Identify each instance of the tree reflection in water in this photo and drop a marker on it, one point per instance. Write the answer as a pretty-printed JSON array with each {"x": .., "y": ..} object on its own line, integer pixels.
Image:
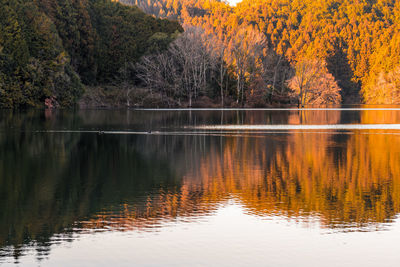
[{"x": 62, "y": 184}]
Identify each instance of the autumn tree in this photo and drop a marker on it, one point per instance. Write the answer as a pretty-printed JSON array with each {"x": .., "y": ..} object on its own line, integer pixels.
[
  {"x": 247, "y": 50},
  {"x": 355, "y": 38},
  {"x": 312, "y": 84},
  {"x": 384, "y": 88}
]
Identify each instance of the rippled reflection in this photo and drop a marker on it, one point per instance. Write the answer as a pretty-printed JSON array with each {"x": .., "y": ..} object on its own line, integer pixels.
[{"x": 61, "y": 175}]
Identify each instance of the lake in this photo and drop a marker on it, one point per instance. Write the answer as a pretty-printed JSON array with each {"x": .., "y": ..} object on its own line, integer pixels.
[{"x": 312, "y": 187}]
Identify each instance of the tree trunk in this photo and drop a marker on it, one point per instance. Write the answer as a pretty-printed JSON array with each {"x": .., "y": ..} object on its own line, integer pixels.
[
  {"x": 222, "y": 82},
  {"x": 242, "y": 85},
  {"x": 238, "y": 88}
]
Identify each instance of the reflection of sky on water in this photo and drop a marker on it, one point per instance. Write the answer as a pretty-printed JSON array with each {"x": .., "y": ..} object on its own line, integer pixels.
[{"x": 229, "y": 237}]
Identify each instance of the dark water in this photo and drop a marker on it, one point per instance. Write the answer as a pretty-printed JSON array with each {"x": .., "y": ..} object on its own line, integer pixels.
[{"x": 200, "y": 188}]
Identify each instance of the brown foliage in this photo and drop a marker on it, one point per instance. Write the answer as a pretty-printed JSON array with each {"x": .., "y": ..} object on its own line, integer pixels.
[
  {"x": 313, "y": 84},
  {"x": 383, "y": 88}
]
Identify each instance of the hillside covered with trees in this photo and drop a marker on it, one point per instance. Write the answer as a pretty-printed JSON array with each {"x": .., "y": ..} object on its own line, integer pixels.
[
  {"x": 354, "y": 45},
  {"x": 256, "y": 54},
  {"x": 51, "y": 50}
]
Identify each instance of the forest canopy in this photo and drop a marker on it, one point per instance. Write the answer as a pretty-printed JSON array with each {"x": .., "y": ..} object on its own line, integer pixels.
[
  {"x": 357, "y": 40},
  {"x": 49, "y": 50},
  {"x": 255, "y": 54}
]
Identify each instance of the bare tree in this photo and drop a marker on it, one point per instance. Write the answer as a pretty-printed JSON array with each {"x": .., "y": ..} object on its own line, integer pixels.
[
  {"x": 222, "y": 72},
  {"x": 313, "y": 84},
  {"x": 184, "y": 70},
  {"x": 219, "y": 52},
  {"x": 247, "y": 47},
  {"x": 125, "y": 79},
  {"x": 274, "y": 73}
]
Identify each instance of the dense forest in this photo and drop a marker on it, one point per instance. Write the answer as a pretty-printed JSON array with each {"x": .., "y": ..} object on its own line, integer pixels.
[
  {"x": 51, "y": 50},
  {"x": 313, "y": 51},
  {"x": 255, "y": 54}
]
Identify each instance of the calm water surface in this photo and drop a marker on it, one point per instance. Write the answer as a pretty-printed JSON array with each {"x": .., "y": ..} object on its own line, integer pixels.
[{"x": 200, "y": 188}]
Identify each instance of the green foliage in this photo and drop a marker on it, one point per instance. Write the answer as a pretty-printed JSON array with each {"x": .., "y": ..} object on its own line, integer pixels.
[
  {"x": 125, "y": 34},
  {"x": 33, "y": 65},
  {"x": 49, "y": 49}
]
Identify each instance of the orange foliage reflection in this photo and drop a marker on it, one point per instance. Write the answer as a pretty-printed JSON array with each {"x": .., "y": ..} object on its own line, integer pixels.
[{"x": 346, "y": 180}]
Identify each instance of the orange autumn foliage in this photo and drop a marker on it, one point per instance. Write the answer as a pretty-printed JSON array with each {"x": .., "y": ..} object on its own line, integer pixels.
[{"x": 359, "y": 40}]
